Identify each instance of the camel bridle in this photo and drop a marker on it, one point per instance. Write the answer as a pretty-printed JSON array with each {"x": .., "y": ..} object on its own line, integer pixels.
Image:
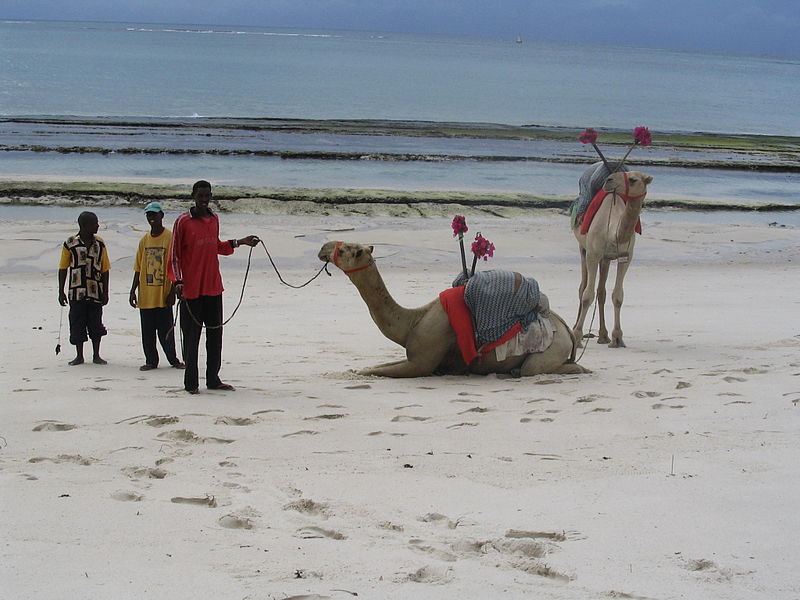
[
  {"x": 335, "y": 261},
  {"x": 626, "y": 196}
]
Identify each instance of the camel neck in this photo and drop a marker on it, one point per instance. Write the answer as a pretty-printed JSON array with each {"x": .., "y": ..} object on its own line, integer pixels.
[
  {"x": 393, "y": 320},
  {"x": 627, "y": 223}
]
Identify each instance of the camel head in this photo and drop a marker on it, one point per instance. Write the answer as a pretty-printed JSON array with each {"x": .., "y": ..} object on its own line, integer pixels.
[
  {"x": 349, "y": 257},
  {"x": 631, "y": 185}
]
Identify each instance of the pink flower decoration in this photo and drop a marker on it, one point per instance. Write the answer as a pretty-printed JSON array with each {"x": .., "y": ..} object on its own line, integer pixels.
[
  {"x": 482, "y": 248},
  {"x": 589, "y": 136},
  {"x": 642, "y": 135},
  {"x": 459, "y": 225}
]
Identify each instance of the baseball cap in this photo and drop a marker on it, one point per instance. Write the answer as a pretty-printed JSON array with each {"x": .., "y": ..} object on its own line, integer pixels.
[{"x": 153, "y": 207}]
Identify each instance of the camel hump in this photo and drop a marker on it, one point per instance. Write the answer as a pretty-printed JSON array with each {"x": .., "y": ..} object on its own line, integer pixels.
[
  {"x": 589, "y": 184},
  {"x": 498, "y": 300}
]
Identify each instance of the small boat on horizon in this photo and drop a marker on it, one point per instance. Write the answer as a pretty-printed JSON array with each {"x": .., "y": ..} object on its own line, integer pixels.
[{"x": 519, "y": 39}]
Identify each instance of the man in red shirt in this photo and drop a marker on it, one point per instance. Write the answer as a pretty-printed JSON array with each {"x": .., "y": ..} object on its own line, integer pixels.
[{"x": 194, "y": 269}]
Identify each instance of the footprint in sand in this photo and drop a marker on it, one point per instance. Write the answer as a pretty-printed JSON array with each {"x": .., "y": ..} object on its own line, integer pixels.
[
  {"x": 301, "y": 432},
  {"x": 755, "y": 371},
  {"x": 732, "y": 379},
  {"x": 66, "y": 458},
  {"x": 53, "y": 426},
  {"x": 309, "y": 507},
  {"x": 144, "y": 472},
  {"x": 268, "y": 410},
  {"x": 642, "y": 394},
  {"x": 682, "y": 385},
  {"x": 547, "y": 535},
  {"x": 363, "y": 386},
  {"x": 207, "y": 501},
  {"x": 551, "y": 400},
  {"x": 236, "y": 522},
  {"x": 431, "y": 575},
  {"x": 422, "y": 546},
  {"x": 328, "y": 417},
  {"x": 406, "y": 418},
  {"x": 127, "y": 496},
  {"x": 540, "y": 456},
  {"x": 408, "y": 406},
  {"x": 475, "y": 409},
  {"x": 439, "y": 519},
  {"x": 161, "y": 421},
  {"x": 189, "y": 437},
  {"x": 456, "y": 425},
  {"x": 312, "y": 533},
  {"x": 238, "y": 421}
]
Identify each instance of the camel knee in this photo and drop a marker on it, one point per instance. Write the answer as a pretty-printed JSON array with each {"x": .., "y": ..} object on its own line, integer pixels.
[{"x": 571, "y": 368}]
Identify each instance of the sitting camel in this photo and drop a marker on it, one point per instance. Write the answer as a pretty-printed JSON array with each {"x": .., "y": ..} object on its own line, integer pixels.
[
  {"x": 609, "y": 236},
  {"x": 425, "y": 332}
]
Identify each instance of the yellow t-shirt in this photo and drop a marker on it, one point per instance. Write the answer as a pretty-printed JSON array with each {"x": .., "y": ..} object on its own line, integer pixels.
[{"x": 151, "y": 264}]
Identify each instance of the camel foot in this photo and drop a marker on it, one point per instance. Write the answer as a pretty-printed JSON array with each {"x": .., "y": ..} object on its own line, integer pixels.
[
  {"x": 571, "y": 368},
  {"x": 617, "y": 344},
  {"x": 603, "y": 339}
]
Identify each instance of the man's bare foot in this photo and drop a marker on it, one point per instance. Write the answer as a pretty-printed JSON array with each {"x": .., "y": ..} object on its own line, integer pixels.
[
  {"x": 222, "y": 386},
  {"x": 99, "y": 361},
  {"x": 78, "y": 360}
]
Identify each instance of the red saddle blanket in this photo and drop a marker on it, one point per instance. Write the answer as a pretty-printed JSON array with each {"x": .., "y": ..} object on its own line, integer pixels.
[
  {"x": 585, "y": 220},
  {"x": 460, "y": 318}
]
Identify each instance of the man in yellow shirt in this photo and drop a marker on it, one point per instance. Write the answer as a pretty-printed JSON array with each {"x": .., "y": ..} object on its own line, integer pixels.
[
  {"x": 156, "y": 294},
  {"x": 85, "y": 257}
]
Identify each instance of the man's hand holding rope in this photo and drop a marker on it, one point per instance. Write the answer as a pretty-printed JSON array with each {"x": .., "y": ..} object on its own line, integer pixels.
[{"x": 250, "y": 240}]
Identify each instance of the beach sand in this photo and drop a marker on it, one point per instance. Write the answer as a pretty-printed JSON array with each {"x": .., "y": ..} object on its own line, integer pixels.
[{"x": 669, "y": 472}]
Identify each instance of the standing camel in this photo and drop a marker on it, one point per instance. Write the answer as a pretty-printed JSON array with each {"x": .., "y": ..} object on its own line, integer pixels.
[
  {"x": 609, "y": 236},
  {"x": 425, "y": 332}
]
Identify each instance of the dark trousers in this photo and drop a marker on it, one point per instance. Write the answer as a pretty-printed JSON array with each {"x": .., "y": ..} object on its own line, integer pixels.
[
  {"x": 158, "y": 321},
  {"x": 85, "y": 321},
  {"x": 205, "y": 310}
]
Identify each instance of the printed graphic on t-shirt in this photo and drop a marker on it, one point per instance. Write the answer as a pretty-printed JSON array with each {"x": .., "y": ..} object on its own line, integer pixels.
[{"x": 155, "y": 260}]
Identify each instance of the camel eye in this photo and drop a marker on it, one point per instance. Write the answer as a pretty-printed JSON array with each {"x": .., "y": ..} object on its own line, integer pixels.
[
  {"x": 633, "y": 180},
  {"x": 359, "y": 253}
]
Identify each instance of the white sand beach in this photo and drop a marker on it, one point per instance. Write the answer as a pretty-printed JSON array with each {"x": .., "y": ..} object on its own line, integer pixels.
[{"x": 671, "y": 471}]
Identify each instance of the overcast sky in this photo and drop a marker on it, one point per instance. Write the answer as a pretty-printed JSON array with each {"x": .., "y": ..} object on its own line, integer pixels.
[{"x": 760, "y": 26}]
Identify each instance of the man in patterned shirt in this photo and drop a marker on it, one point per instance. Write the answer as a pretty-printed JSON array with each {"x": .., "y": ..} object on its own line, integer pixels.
[{"x": 85, "y": 257}]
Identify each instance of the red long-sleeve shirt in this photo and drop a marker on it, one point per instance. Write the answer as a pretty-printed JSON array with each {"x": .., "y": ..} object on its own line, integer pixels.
[{"x": 193, "y": 256}]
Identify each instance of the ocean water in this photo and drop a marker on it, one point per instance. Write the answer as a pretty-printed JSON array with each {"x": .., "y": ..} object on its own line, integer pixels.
[
  {"x": 166, "y": 81},
  {"x": 113, "y": 69}
]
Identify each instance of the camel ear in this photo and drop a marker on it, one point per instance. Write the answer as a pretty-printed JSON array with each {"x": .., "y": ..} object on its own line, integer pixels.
[
  {"x": 647, "y": 179},
  {"x": 371, "y": 248}
]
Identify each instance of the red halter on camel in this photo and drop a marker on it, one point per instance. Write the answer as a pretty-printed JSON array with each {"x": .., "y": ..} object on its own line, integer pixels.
[{"x": 335, "y": 261}]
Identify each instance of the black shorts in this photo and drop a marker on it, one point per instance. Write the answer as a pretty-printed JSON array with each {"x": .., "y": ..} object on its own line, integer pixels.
[{"x": 85, "y": 321}]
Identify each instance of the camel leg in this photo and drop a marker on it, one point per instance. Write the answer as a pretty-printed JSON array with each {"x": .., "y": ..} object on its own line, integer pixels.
[
  {"x": 582, "y": 286},
  {"x": 617, "y": 297},
  {"x": 602, "y": 335},
  {"x": 557, "y": 359},
  {"x": 586, "y": 298},
  {"x": 426, "y": 347}
]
